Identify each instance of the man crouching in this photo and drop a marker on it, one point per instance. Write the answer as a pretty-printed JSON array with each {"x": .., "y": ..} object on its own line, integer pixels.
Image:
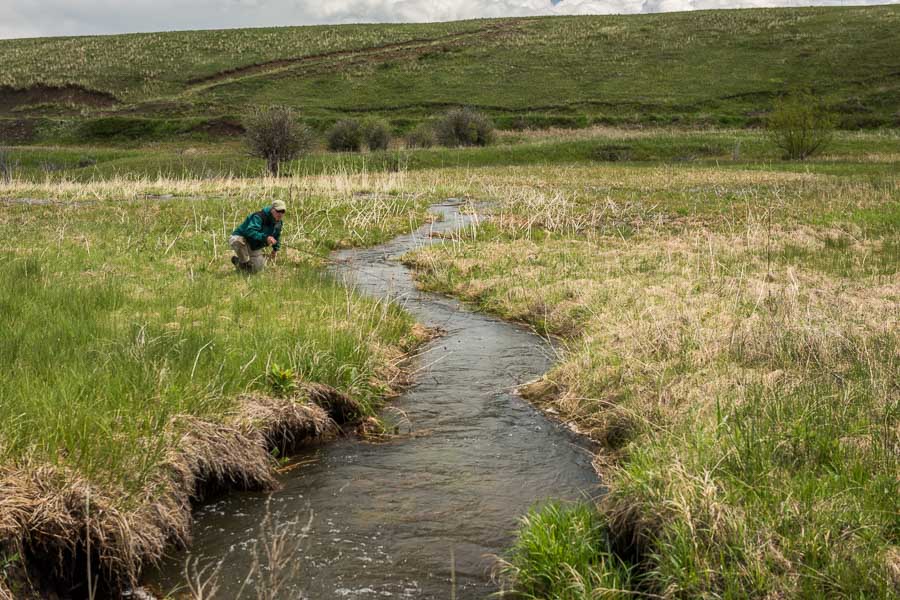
[{"x": 260, "y": 229}]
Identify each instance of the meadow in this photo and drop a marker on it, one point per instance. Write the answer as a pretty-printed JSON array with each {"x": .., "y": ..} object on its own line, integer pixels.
[
  {"x": 731, "y": 342},
  {"x": 728, "y": 319},
  {"x": 729, "y": 322},
  {"x": 142, "y": 371}
]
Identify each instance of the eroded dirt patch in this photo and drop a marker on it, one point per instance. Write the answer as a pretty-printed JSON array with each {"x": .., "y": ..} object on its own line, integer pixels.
[{"x": 11, "y": 97}]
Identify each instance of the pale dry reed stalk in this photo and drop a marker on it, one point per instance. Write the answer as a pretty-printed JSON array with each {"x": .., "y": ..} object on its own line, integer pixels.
[{"x": 274, "y": 561}]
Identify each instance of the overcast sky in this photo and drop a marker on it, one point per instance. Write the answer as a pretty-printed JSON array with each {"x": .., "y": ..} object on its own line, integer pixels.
[{"x": 32, "y": 18}]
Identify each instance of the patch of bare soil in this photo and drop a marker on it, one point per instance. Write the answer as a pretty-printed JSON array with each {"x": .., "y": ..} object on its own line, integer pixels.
[
  {"x": 11, "y": 97},
  {"x": 220, "y": 128}
]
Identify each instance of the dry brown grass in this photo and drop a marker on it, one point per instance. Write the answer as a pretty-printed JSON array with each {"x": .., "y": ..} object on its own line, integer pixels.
[
  {"x": 736, "y": 378},
  {"x": 646, "y": 307},
  {"x": 340, "y": 184}
]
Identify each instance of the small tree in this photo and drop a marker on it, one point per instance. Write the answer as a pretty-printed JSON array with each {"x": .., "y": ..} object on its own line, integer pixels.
[
  {"x": 464, "y": 127},
  {"x": 273, "y": 133},
  {"x": 799, "y": 126},
  {"x": 378, "y": 135},
  {"x": 346, "y": 136}
]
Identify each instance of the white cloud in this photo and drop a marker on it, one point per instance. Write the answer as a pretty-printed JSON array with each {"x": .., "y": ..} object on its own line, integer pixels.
[{"x": 28, "y": 18}]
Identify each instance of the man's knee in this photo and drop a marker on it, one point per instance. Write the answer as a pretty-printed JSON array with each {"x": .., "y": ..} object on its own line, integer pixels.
[
  {"x": 240, "y": 247},
  {"x": 257, "y": 262}
]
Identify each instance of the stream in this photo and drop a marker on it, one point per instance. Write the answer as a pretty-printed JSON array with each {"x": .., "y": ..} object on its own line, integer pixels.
[{"x": 421, "y": 516}]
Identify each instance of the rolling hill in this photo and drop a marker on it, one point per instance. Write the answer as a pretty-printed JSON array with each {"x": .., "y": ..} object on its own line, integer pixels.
[{"x": 698, "y": 68}]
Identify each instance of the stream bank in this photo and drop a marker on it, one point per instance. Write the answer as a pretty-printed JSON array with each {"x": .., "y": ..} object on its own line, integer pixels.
[{"x": 423, "y": 515}]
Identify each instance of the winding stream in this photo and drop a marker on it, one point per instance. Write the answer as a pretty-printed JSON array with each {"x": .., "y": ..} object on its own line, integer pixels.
[{"x": 418, "y": 517}]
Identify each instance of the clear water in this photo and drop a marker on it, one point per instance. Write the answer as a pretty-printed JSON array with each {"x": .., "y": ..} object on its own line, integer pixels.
[{"x": 421, "y": 516}]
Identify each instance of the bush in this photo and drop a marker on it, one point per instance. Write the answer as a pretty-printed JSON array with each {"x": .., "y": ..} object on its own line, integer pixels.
[
  {"x": 273, "y": 133},
  {"x": 421, "y": 137},
  {"x": 378, "y": 135},
  {"x": 799, "y": 126},
  {"x": 346, "y": 136},
  {"x": 464, "y": 127}
]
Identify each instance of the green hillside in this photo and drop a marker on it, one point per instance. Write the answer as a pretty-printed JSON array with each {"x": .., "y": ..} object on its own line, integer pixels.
[{"x": 711, "y": 67}]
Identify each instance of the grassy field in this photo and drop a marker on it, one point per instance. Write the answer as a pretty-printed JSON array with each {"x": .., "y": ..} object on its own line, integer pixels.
[
  {"x": 730, "y": 326},
  {"x": 719, "y": 68},
  {"x": 140, "y": 368},
  {"x": 730, "y": 319},
  {"x": 732, "y": 343},
  {"x": 870, "y": 151}
]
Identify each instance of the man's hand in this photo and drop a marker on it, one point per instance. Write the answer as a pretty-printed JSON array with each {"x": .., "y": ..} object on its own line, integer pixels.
[{"x": 271, "y": 241}]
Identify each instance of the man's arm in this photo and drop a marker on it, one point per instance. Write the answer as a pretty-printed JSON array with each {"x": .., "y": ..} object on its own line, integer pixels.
[{"x": 277, "y": 235}]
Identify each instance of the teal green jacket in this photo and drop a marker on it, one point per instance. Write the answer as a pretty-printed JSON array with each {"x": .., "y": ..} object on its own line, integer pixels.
[{"x": 257, "y": 227}]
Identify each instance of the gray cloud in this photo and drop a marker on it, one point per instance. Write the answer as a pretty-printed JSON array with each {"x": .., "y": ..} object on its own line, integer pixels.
[{"x": 30, "y": 18}]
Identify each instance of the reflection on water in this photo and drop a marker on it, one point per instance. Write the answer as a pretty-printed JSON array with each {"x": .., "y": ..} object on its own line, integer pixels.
[{"x": 419, "y": 517}]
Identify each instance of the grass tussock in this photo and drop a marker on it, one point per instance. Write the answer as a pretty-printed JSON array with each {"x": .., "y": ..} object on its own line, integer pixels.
[
  {"x": 59, "y": 521},
  {"x": 745, "y": 391},
  {"x": 559, "y": 543}
]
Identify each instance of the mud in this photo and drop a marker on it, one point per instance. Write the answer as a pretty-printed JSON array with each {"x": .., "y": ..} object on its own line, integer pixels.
[{"x": 420, "y": 516}]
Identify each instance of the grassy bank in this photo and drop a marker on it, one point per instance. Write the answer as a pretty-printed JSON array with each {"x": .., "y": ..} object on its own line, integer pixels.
[
  {"x": 139, "y": 366},
  {"x": 732, "y": 342}
]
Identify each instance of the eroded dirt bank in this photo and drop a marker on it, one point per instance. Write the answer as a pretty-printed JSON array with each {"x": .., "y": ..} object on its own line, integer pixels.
[{"x": 61, "y": 528}]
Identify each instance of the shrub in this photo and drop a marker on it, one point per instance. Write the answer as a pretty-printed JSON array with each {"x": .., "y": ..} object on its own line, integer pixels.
[
  {"x": 378, "y": 135},
  {"x": 799, "y": 126},
  {"x": 273, "y": 133},
  {"x": 346, "y": 136},
  {"x": 464, "y": 127},
  {"x": 421, "y": 137}
]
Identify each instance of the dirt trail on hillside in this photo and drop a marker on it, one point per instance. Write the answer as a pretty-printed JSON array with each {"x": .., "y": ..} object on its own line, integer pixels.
[{"x": 379, "y": 53}]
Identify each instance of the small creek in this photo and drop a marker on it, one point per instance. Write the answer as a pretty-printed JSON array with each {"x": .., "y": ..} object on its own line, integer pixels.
[{"x": 387, "y": 518}]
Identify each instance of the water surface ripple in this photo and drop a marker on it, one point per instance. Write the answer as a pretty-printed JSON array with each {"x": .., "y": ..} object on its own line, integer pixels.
[{"x": 419, "y": 517}]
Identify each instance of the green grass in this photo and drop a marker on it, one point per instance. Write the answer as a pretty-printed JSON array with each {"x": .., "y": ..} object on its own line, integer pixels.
[
  {"x": 731, "y": 343},
  {"x": 120, "y": 314},
  {"x": 730, "y": 321},
  {"x": 727, "y": 149},
  {"x": 557, "y": 556},
  {"x": 713, "y": 68}
]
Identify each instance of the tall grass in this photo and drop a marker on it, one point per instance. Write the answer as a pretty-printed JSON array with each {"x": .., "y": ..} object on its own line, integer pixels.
[
  {"x": 558, "y": 555},
  {"x": 119, "y": 315},
  {"x": 745, "y": 393}
]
